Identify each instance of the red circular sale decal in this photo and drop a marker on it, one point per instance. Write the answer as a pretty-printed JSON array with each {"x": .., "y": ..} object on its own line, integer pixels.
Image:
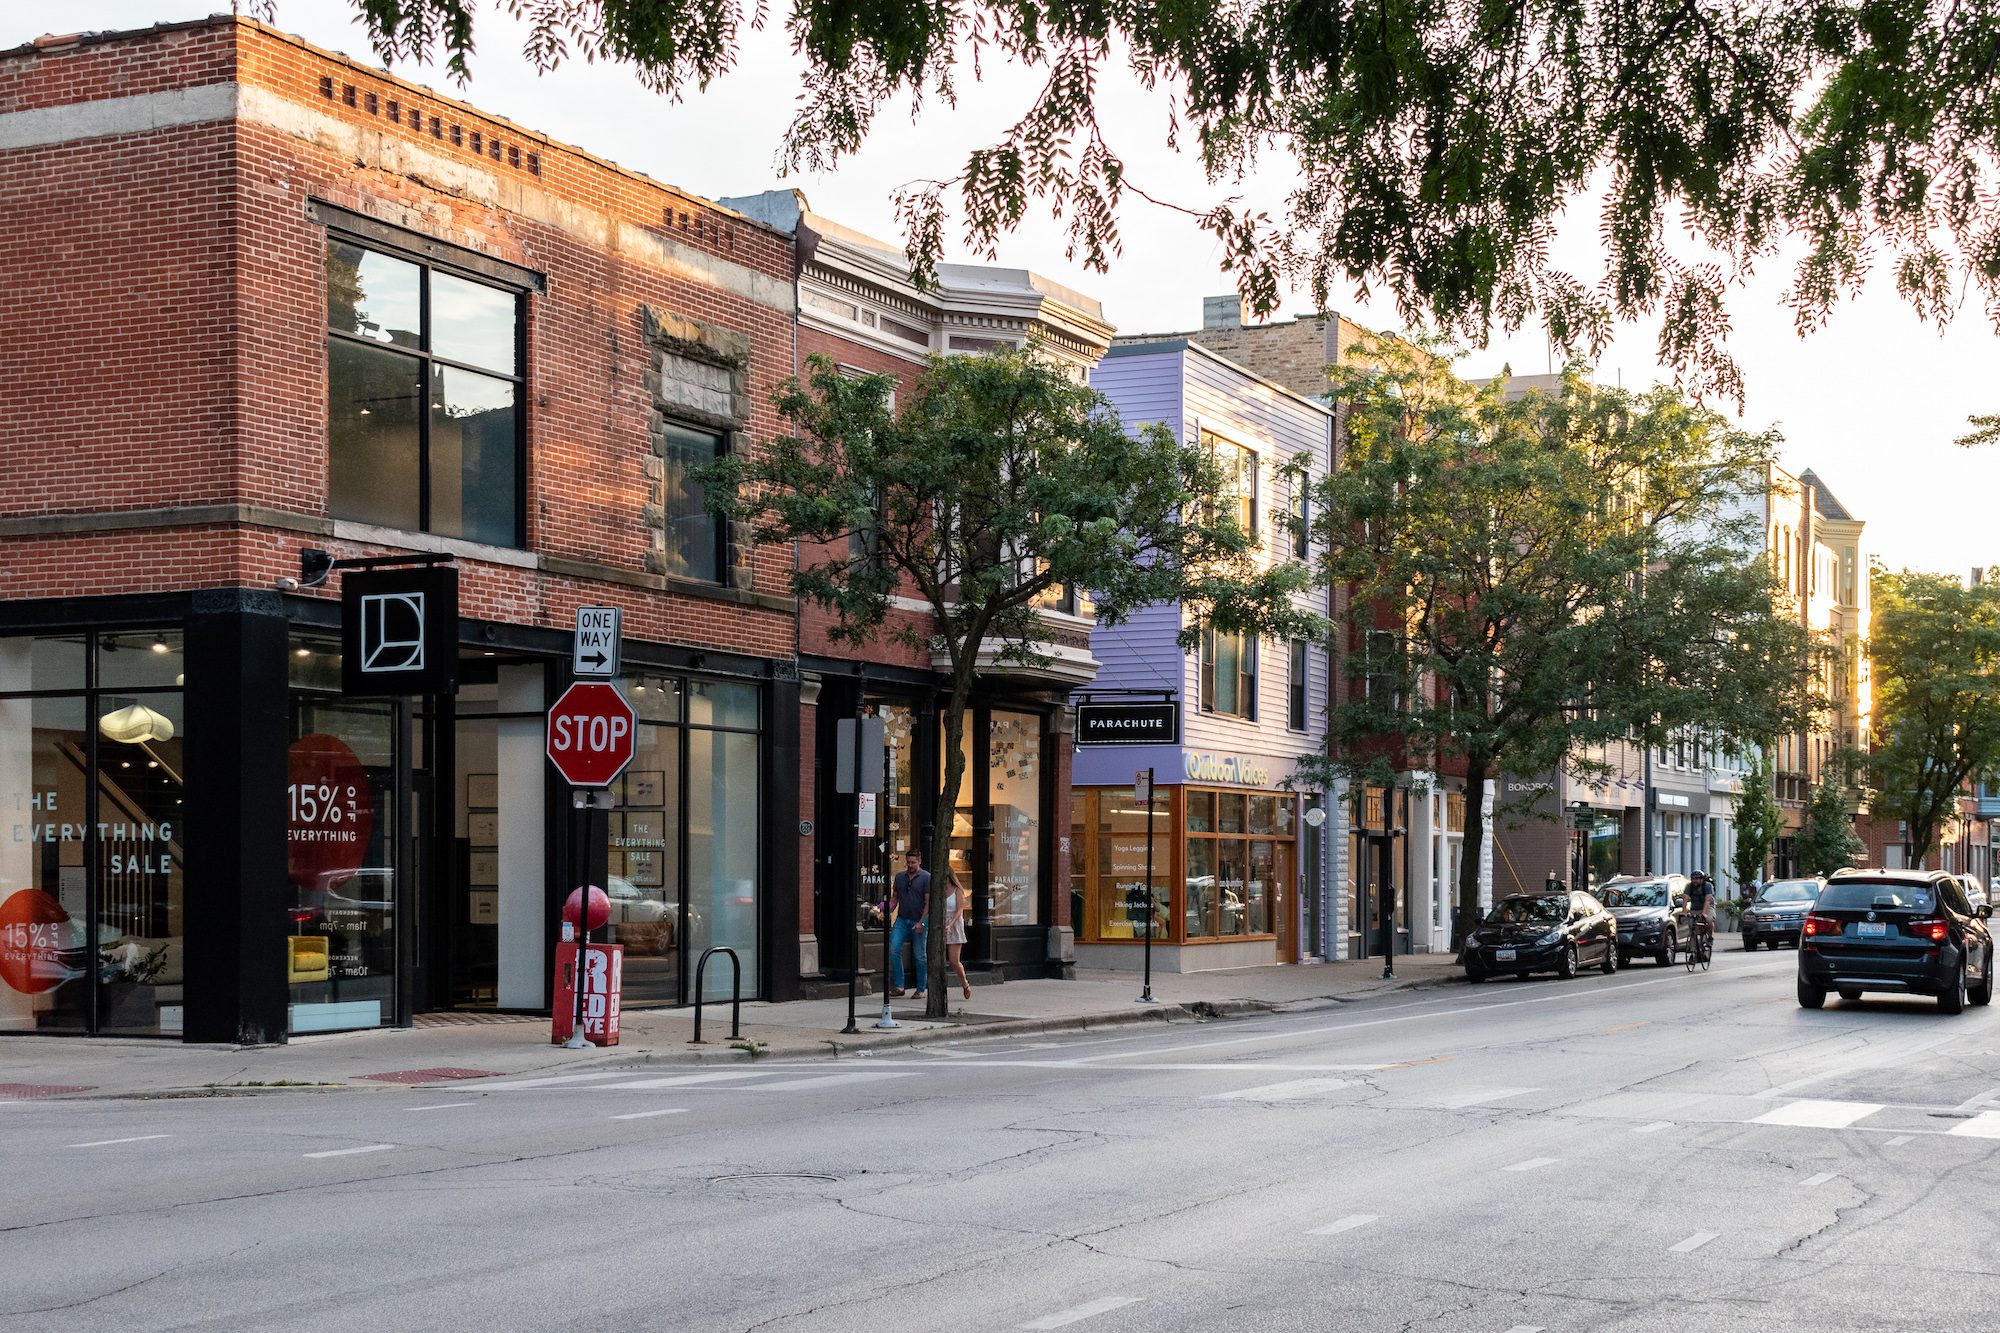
[
  {"x": 332, "y": 811},
  {"x": 33, "y": 930}
]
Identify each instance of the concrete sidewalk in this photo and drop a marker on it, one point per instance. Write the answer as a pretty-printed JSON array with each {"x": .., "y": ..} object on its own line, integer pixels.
[{"x": 448, "y": 1048}]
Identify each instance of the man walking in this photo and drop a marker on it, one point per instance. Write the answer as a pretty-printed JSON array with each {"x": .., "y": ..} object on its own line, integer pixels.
[{"x": 913, "y": 900}]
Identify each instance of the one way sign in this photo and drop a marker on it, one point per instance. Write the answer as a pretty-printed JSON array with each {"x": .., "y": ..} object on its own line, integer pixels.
[{"x": 595, "y": 652}]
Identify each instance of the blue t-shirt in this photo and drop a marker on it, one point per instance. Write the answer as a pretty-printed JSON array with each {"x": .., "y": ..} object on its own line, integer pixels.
[{"x": 912, "y": 894}]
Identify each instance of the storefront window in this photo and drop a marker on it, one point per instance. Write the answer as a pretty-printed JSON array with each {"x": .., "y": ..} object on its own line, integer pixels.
[
  {"x": 1121, "y": 859},
  {"x": 723, "y": 800},
  {"x": 1014, "y": 757},
  {"x": 340, "y": 856},
  {"x": 91, "y": 853},
  {"x": 1202, "y": 894},
  {"x": 499, "y": 863}
]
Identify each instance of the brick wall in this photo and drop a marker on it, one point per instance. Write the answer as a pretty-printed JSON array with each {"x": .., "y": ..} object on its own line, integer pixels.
[{"x": 174, "y": 353}]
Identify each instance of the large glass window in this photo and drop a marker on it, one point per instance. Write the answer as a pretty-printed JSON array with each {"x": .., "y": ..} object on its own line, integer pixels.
[
  {"x": 1014, "y": 758},
  {"x": 91, "y": 833},
  {"x": 1295, "y": 697},
  {"x": 1121, "y": 859},
  {"x": 1239, "y": 479},
  {"x": 694, "y": 535},
  {"x": 424, "y": 381}
]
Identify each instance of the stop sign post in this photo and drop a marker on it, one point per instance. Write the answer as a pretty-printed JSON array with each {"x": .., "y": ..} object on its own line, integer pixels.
[{"x": 592, "y": 736}]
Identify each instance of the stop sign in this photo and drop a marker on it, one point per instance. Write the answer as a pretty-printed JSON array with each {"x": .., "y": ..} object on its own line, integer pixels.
[{"x": 592, "y": 731}]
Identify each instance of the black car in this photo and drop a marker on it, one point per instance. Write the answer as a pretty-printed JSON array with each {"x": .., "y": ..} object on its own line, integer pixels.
[
  {"x": 1779, "y": 913},
  {"x": 1652, "y": 915},
  {"x": 1909, "y": 932},
  {"x": 1542, "y": 932}
]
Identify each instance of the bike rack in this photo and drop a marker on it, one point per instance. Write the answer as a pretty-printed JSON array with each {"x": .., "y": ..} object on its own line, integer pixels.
[{"x": 735, "y": 992}]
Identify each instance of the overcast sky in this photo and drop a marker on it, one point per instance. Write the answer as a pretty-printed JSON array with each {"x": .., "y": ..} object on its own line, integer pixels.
[{"x": 1872, "y": 402}]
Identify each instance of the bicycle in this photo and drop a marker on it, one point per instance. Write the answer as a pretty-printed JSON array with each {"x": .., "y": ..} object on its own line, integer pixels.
[{"x": 1701, "y": 948}]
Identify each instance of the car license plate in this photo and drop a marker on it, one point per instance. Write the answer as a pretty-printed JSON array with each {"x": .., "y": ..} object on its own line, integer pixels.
[
  {"x": 1872, "y": 929},
  {"x": 1503, "y": 955}
]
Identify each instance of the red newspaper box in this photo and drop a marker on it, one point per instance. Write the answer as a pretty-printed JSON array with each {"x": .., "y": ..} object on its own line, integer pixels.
[{"x": 603, "y": 979}]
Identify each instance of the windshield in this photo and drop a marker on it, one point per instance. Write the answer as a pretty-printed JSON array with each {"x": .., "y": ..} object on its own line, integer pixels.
[
  {"x": 1514, "y": 911},
  {"x": 1650, "y": 894},
  {"x": 1862, "y": 895},
  {"x": 1790, "y": 891}
]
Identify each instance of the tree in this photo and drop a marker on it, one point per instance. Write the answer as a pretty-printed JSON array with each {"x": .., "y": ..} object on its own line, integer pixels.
[
  {"x": 1433, "y": 142},
  {"x": 1935, "y": 659},
  {"x": 1546, "y": 576},
  {"x": 1827, "y": 841},
  {"x": 1759, "y": 822},
  {"x": 997, "y": 482}
]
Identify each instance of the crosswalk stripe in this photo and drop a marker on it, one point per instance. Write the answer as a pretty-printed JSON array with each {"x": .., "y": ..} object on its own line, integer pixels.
[
  {"x": 1532, "y": 1164},
  {"x": 1985, "y": 1125},
  {"x": 1694, "y": 1242},
  {"x": 833, "y": 1080},
  {"x": 686, "y": 1080},
  {"x": 550, "y": 1081},
  {"x": 1345, "y": 1224},
  {"x": 1281, "y": 1092},
  {"x": 1063, "y": 1318},
  {"x": 1819, "y": 1179},
  {"x": 1456, "y": 1101},
  {"x": 1818, "y": 1114}
]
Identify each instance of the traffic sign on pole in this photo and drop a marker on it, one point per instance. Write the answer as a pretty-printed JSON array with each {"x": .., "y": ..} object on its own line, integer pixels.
[
  {"x": 592, "y": 734},
  {"x": 594, "y": 651}
]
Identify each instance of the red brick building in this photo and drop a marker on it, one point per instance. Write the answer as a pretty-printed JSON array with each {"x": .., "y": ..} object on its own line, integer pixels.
[
  {"x": 1010, "y": 841},
  {"x": 267, "y": 300}
]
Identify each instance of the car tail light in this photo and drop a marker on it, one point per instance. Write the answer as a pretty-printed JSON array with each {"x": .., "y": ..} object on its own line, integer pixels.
[
  {"x": 1821, "y": 925},
  {"x": 1926, "y": 928}
]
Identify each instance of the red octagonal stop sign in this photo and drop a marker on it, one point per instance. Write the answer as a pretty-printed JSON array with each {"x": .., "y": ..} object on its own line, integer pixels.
[{"x": 592, "y": 731}]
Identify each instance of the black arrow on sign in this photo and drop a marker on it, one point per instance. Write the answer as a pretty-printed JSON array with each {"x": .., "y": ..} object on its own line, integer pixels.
[{"x": 596, "y": 658}]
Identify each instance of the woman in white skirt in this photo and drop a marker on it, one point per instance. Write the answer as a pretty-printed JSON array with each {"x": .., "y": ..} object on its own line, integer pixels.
[{"x": 954, "y": 931}]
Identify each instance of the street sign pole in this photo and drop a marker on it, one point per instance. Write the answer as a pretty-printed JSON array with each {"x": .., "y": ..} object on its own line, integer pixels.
[
  {"x": 854, "y": 971},
  {"x": 592, "y": 736},
  {"x": 584, "y": 803},
  {"x": 887, "y": 1022},
  {"x": 1145, "y": 782}
]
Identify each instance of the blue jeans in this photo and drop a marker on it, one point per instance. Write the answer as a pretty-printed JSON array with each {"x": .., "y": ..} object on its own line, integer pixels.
[{"x": 899, "y": 933}]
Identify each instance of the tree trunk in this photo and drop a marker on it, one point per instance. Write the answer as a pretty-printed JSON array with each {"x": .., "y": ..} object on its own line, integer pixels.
[
  {"x": 937, "y": 1004},
  {"x": 1467, "y": 915}
]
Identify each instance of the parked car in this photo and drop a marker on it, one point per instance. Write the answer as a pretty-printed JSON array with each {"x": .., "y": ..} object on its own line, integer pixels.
[
  {"x": 1779, "y": 912},
  {"x": 1651, "y": 912},
  {"x": 1911, "y": 932},
  {"x": 1543, "y": 932}
]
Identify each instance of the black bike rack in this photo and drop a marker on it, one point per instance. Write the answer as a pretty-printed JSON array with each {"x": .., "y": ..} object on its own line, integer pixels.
[{"x": 735, "y": 992}]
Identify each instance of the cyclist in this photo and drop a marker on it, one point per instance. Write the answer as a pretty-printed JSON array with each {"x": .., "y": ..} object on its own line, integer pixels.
[{"x": 1701, "y": 901}]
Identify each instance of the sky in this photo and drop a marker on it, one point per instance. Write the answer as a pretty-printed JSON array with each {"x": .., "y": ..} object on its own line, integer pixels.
[{"x": 1871, "y": 402}]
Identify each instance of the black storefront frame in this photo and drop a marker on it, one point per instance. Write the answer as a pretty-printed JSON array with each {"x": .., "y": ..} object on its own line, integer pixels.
[{"x": 237, "y": 696}]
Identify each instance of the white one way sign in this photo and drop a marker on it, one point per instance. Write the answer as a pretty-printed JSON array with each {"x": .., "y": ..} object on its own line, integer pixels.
[{"x": 595, "y": 652}]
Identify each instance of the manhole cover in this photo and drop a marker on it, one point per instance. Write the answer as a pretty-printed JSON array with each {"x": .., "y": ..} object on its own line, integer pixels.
[
  {"x": 441, "y": 1074},
  {"x": 26, "y": 1091}
]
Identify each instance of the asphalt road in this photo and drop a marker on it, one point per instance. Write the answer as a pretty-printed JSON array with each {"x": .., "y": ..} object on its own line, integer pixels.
[{"x": 1652, "y": 1150}]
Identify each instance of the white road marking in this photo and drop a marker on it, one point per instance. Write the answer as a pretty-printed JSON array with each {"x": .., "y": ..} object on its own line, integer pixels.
[
  {"x": 1062, "y": 1318},
  {"x": 350, "y": 1152},
  {"x": 1985, "y": 1098},
  {"x": 551, "y": 1081},
  {"x": 1819, "y": 1179},
  {"x": 1345, "y": 1224},
  {"x": 1458, "y": 1101},
  {"x": 1898, "y": 1141},
  {"x": 1532, "y": 1164},
  {"x": 440, "y": 1106},
  {"x": 1526, "y": 1328},
  {"x": 106, "y": 1143},
  {"x": 832, "y": 1080},
  {"x": 1281, "y": 1092},
  {"x": 1818, "y": 1115},
  {"x": 1655, "y": 1127},
  {"x": 1694, "y": 1242},
  {"x": 1985, "y": 1125},
  {"x": 647, "y": 1115},
  {"x": 687, "y": 1080},
  {"x": 1240, "y": 1066}
]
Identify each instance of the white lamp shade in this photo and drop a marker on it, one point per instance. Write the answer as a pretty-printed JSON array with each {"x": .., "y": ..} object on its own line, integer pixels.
[{"x": 134, "y": 723}]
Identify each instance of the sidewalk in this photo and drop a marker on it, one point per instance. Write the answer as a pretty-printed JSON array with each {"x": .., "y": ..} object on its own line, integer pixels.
[{"x": 453, "y": 1047}]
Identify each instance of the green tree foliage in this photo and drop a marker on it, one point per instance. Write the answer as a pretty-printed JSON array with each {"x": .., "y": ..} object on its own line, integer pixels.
[
  {"x": 1434, "y": 142},
  {"x": 1759, "y": 823},
  {"x": 1827, "y": 841},
  {"x": 995, "y": 483},
  {"x": 1935, "y": 659},
  {"x": 1546, "y": 576}
]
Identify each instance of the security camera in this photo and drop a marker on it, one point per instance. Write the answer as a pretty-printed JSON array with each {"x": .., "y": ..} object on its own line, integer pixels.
[{"x": 288, "y": 585}]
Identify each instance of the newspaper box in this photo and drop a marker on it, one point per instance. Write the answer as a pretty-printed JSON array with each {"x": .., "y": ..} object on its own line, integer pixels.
[{"x": 603, "y": 978}]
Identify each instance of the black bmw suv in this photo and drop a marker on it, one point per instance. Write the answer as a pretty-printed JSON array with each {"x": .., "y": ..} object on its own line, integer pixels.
[{"x": 1913, "y": 932}]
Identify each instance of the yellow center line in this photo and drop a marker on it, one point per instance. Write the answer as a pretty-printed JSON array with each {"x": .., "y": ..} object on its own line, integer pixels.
[
  {"x": 1627, "y": 1027},
  {"x": 1434, "y": 1060}
]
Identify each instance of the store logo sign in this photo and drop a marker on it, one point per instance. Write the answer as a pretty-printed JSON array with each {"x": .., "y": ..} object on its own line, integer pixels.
[
  {"x": 1219, "y": 768},
  {"x": 399, "y": 631},
  {"x": 392, "y": 632}
]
